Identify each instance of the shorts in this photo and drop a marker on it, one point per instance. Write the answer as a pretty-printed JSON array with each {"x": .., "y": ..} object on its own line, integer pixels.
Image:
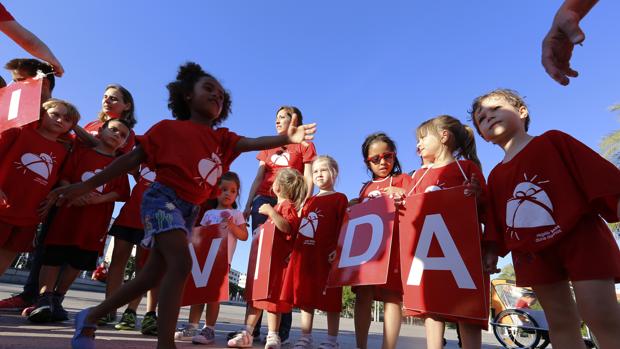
[
  {"x": 131, "y": 235},
  {"x": 162, "y": 210},
  {"x": 57, "y": 255},
  {"x": 587, "y": 252},
  {"x": 16, "y": 238}
]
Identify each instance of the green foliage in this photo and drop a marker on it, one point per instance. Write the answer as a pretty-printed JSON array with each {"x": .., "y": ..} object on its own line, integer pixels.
[
  {"x": 508, "y": 272},
  {"x": 348, "y": 302}
]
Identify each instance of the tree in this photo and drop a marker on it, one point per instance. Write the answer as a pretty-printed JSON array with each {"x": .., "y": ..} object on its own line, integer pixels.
[
  {"x": 348, "y": 302},
  {"x": 508, "y": 272},
  {"x": 610, "y": 144}
]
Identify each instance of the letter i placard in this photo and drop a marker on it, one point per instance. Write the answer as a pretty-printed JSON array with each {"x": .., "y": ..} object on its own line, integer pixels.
[
  {"x": 208, "y": 280},
  {"x": 259, "y": 264},
  {"x": 363, "y": 253},
  {"x": 20, "y": 103},
  {"x": 440, "y": 255}
]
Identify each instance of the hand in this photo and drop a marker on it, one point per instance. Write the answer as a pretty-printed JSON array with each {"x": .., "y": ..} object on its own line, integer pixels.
[
  {"x": 68, "y": 193},
  {"x": 396, "y": 193},
  {"x": 489, "y": 261},
  {"x": 44, "y": 208},
  {"x": 331, "y": 256},
  {"x": 226, "y": 224},
  {"x": 472, "y": 186},
  {"x": 265, "y": 209},
  {"x": 83, "y": 200},
  {"x": 299, "y": 134},
  {"x": 58, "y": 69},
  {"x": 4, "y": 201},
  {"x": 247, "y": 212},
  {"x": 557, "y": 47}
]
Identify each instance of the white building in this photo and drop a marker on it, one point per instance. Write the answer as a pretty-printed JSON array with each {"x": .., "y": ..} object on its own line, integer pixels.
[
  {"x": 242, "y": 279},
  {"x": 233, "y": 276}
]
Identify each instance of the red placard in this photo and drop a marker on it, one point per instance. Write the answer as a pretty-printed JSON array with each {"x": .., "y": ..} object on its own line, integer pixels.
[
  {"x": 208, "y": 280},
  {"x": 20, "y": 103},
  {"x": 440, "y": 255},
  {"x": 259, "y": 265},
  {"x": 363, "y": 253}
]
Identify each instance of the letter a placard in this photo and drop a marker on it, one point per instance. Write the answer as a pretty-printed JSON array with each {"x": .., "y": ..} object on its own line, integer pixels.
[
  {"x": 259, "y": 265},
  {"x": 440, "y": 254},
  {"x": 208, "y": 280},
  {"x": 20, "y": 103},
  {"x": 363, "y": 253}
]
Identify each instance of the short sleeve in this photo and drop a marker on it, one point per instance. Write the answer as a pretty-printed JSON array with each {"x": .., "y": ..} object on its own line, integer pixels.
[
  {"x": 151, "y": 141},
  {"x": 262, "y": 156},
  {"x": 289, "y": 213},
  {"x": 228, "y": 143},
  {"x": 308, "y": 152},
  {"x": 238, "y": 218},
  {"x": 5, "y": 16}
]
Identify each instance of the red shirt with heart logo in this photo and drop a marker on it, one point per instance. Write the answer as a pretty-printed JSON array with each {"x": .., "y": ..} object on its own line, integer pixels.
[
  {"x": 547, "y": 189},
  {"x": 189, "y": 157},
  {"x": 86, "y": 226},
  {"x": 288, "y": 156},
  {"x": 130, "y": 216},
  {"x": 306, "y": 275},
  {"x": 29, "y": 168}
]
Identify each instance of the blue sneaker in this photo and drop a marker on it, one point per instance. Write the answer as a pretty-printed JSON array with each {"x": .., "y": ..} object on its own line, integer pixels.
[{"x": 80, "y": 341}]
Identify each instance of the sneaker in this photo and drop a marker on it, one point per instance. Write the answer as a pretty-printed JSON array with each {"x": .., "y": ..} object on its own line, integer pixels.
[
  {"x": 149, "y": 324},
  {"x": 329, "y": 345},
  {"x": 128, "y": 321},
  {"x": 303, "y": 343},
  {"x": 273, "y": 342},
  {"x": 206, "y": 336},
  {"x": 186, "y": 333},
  {"x": 42, "y": 312},
  {"x": 14, "y": 303},
  {"x": 242, "y": 340},
  {"x": 58, "y": 312},
  {"x": 106, "y": 320}
]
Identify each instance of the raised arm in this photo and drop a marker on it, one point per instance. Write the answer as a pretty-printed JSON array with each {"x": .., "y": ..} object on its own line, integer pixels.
[
  {"x": 295, "y": 134},
  {"x": 85, "y": 136}
]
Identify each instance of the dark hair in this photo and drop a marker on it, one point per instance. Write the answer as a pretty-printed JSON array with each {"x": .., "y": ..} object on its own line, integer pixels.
[
  {"x": 122, "y": 121},
  {"x": 30, "y": 66},
  {"x": 187, "y": 76},
  {"x": 462, "y": 142},
  {"x": 228, "y": 176},
  {"x": 511, "y": 96},
  {"x": 290, "y": 110},
  {"x": 381, "y": 137},
  {"x": 127, "y": 115},
  {"x": 2, "y": 82}
]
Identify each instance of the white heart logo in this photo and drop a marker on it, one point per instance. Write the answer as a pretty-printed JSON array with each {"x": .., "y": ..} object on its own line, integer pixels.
[
  {"x": 529, "y": 207},
  {"x": 147, "y": 174},
  {"x": 88, "y": 174},
  {"x": 210, "y": 169},
  {"x": 309, "y": 225},
  {"x": 281, "y": 159},
  {"x": 41, "y": 164}
]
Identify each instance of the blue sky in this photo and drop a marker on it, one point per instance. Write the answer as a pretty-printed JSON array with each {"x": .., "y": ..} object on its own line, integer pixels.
[{"x": 354, "y": 67}]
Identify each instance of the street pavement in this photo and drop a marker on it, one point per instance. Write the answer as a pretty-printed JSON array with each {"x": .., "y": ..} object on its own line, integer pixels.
[{"x": 17, "y": 332}]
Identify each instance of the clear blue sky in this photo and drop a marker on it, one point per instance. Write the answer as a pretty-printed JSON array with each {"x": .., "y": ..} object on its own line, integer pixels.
[{"x": 354, "y": 67}]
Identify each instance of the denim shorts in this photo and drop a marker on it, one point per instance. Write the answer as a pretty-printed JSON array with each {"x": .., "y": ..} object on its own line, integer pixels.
[{"x": 162, "y": 210}]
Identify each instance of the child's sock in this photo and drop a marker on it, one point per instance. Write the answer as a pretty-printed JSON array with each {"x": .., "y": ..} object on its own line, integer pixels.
[
  {"x": 273, "y": 333},
  {"x": 211, "y": 327},
  {"x": 332, "y": 339},
  {"x": 193, "y": 324},
  {"x": 249, "y": 329}
]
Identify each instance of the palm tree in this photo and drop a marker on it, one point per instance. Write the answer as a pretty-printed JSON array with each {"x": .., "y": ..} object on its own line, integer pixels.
[{"x": 610, "y": 145}]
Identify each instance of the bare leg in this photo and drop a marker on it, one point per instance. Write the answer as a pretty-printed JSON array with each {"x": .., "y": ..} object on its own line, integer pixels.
[
  {"x": 251, "y": 317},
  {"x": 471, "y": 335},
  {"x": 307, "y": 317},
  {"x": 116, "y": 270},
  {"x": 434, "y": 333},
  {"x": 362, "y": 315},
  {"x": 562, "y": 315},
  {"x": 273, "y": 321},
  {"x": 333, "y": 323},
  {"x": 596, "y": 300},
  {"x": 195, "y": 312},
  {"x": 213, "y": 311},
  {"x": 151, "y": 299},
  {"x": 48, "y": 277},
  {"x": 69, "y": 274},
  {"x": 391, "y": 322},
  {"x": 6, "y": 258}
]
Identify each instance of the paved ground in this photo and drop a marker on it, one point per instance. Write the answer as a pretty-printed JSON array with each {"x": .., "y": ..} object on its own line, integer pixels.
[{"x": 17, "y": 332}]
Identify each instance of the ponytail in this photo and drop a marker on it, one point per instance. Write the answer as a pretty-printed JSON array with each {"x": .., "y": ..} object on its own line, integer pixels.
[
  {"x": 465, "y": 144},
  {"x": 462, "y": 142}
]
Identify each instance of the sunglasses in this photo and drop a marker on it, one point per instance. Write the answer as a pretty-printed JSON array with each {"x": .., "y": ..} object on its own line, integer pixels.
[{"x": 388, "y": 156}]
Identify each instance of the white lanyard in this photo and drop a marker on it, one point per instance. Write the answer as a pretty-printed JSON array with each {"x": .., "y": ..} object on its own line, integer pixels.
[{"x": 427, "y": 169}]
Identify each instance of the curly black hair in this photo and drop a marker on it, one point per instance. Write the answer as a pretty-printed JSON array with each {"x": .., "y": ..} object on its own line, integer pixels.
[
  {"x": 381, "y": 137},
  {"x": 189, "y": 73}
]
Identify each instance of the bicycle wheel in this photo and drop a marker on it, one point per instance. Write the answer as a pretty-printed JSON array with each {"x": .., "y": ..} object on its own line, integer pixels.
[{"x": 515, "y": 328}]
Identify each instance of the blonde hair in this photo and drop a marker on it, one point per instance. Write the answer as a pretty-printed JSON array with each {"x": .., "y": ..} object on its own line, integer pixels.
[
  {"x": 332, "y": 165},
  {"x": 461, "y": 143},
  {"x": 292, "y": 186},
  {"x": 72, "y": 111}
]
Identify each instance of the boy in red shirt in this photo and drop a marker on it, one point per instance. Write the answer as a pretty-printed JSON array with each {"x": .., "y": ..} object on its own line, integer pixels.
[
  {"x": 30, "y": 158},
  {"x": 77, "y": 234},
  {"x": 548, "y": 199}
]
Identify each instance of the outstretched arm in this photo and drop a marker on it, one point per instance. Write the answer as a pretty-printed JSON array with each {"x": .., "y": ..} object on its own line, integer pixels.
[
  {"x": 295, "y": 134},
  {"x": 565, "y": 33},
  {"x": 85, "y": 136},
  {"x": 31, "y": 43}
]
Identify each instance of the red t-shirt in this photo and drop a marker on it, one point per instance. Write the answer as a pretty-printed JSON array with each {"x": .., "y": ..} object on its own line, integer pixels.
[
  {"x": 94, "y": 126},
  {"x": 547, "y": 188},
  {"x": 282, "y": 247},
  {"x": 30, "y": 165},
  {"x": 375, "y": 188},
  {"x": 130, "y": 212},
  {"x": 307, "y": 273},
  {"x": 86, "y": 226},
  {"x": 288, "y": 156},
  {"x": 189, "y": 157},
  {"x": 5, "y": 16}
]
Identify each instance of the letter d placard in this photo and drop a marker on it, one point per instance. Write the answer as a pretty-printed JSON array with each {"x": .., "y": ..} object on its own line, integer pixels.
[{"x": 363, "y": 253}]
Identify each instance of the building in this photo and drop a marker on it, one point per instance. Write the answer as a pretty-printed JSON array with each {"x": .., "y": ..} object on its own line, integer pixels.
[
  {"x": 233, "y": 276},
  {"x": 242, "y": 280}
]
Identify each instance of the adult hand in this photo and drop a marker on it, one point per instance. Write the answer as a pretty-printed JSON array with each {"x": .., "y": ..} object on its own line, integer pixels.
[
  {"x": 299, "y": 134},
  {"x": 558, "y": 44}
]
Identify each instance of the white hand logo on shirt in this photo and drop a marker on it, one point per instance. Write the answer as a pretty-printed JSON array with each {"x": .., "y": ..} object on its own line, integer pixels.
[
  {"x": 210, "y": 169},
  {"x": 41, "y": 164},
  {"x": 88, "y": 174}
]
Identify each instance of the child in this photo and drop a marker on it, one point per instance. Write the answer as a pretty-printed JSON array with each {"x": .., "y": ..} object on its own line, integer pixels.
[
  {"x": 117, "y": 103},
  {"x": 441, "y": 141},
  {"x": 77, "y": 234},
  {"x": 379, "y": 152},
  {"x": 30, "y": 158},
  {"x": 188, "y": 155},
  {"x": 26, "y": 68},
  {"x": 313, "y": 252},
  {"x": 230, "y": 219},
  {"x": 548, "y": 196},
  {"x": 129, "y": 231},
  {"x": 290, "y": 188}
]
